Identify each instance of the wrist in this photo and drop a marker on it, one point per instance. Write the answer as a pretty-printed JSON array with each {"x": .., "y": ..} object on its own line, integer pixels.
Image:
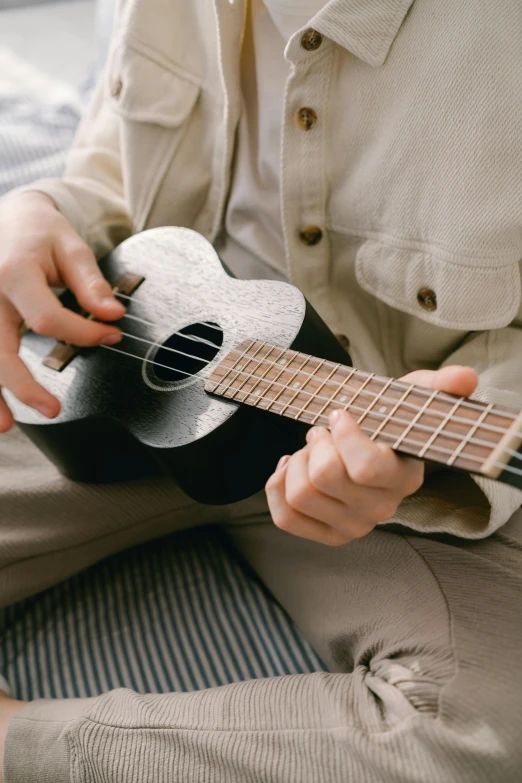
[{"x": 29, "y": 197}]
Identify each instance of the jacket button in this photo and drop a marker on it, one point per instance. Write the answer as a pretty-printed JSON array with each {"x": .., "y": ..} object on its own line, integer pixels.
[
  {"x": 310, "y": 235},
  {"x": 306, "y": 118},
  {"x": 311, "y": 40},
  {"x": 427, "y": 299},
  {"x": 116, "y": 88},
  {"x": 343, "y": 340}
]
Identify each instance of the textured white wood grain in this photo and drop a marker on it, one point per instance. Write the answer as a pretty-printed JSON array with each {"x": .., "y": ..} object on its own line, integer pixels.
[{"x": 184, "y": 283}]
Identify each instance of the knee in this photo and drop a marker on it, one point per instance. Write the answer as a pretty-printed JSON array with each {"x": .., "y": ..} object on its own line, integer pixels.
[
  {"x": 476, "y": 724},
  {"x": 403, "y": 688}
]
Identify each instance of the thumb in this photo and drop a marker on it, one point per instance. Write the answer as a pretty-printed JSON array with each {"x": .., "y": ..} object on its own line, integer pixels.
[
  {"x": 453, "y": 379},
  {"x": 80, "y": 272}
]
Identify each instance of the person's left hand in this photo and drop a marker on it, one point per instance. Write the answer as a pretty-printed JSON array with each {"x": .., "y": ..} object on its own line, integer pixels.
[
  {"x": 342, "y": 484},
  {"x": 8, "y": 708}
]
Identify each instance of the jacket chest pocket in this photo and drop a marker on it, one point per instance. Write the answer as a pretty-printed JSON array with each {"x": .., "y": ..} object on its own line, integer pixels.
[
  {"x": 155, "y": 103},
  {"x": 468, "y": 295}
]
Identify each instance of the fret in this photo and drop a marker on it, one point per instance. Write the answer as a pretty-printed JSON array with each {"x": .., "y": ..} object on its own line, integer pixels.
[
  {"x": 415, "y": 419},
  {"x": 256, "y": 388},
  {"x": 470, "y": 434},
  {"x": 497, "y": 459},
  {"x": 233, "y": 368},
  {"x": 344, "y": 387},
  {"x": 359, "y": 390},
  {"x": 436, "y": 430},
  {"x": 302, "y": 388},
  {"x": 458, "y": 434},
  {"x": 260, "y": 361},
  {"x": 313, "y": 395},
  {"x": 285, "y": 363},
  {"x": 285, "y": 386},
  {"x": 440, "y": 428},
  {"x": 374, "y": 401},
  {"x": 389, "y": 416},
  {"x": 241, "y": 370},
  {"x": 476, "y": 462},
  {"x": 332, "y": 398}
]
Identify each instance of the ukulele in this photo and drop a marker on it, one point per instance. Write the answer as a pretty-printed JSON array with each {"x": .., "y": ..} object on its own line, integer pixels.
[{"x": 207, "y": 360}]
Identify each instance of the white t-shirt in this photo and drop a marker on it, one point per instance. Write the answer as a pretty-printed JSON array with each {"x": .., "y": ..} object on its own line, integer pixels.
[{"x": 252, "y": 244}]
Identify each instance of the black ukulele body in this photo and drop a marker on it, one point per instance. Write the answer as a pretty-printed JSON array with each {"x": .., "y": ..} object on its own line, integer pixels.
[{"x": 126, "y": 416}]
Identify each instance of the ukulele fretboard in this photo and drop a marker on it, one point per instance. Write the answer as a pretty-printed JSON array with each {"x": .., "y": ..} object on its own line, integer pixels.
[{"x": 454, "y": 431}]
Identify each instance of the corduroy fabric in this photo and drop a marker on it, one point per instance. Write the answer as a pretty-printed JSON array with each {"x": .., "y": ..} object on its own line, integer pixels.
[
  {"x": 422, "y": 636},
  {"x": 419, "y": 631}
]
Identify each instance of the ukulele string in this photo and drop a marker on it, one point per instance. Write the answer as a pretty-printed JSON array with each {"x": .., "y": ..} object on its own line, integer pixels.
[
  {"x": 371, "y": 412},
  {"x": 394, "y": 419},
  {"x": 439, "y": 449},
  {"x": 211, "y": 325},
  {"x": 197, "y": 323},
  {"x": 195, "y": 338},
  {"x": 399, "y": 385},
  {"x": 149, "y": 361},
  {"x": 396, "y": 383},
  {"x": 366, "y": 392},
  {"x": 166, "y": 348}
]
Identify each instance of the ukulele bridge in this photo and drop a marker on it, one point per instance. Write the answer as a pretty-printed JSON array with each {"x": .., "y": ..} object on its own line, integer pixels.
[{"x": 63, "y": 353}]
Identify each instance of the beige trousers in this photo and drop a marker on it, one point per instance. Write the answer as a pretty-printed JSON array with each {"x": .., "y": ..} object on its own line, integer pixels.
[{"x": 423, "y": 636}]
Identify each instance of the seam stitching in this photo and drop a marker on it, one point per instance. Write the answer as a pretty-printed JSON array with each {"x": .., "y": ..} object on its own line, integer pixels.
[{"x": 428, "y": 248}]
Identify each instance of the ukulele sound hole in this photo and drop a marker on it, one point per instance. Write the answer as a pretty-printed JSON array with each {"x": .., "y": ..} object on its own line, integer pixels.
[{"x": 188, "y": 351}]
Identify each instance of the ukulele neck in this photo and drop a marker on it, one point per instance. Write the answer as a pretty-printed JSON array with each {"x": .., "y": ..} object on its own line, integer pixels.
[{"x": 432, "y": 425}]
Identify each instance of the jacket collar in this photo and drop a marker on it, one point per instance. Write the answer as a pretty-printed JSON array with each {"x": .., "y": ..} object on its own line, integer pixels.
[{"x": 367, "y": 28}]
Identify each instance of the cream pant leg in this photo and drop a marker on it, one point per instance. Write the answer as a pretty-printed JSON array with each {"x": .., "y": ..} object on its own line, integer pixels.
[{"x": 422, "y": 634}]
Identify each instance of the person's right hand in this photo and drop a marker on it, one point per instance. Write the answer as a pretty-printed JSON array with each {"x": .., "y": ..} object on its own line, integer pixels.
[{"x": 40, "y": 250}]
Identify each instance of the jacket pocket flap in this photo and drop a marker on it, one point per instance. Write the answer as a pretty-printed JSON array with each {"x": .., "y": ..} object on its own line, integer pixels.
[
  {"x": 454, "y": 294},
  {"x": 143, "y": 90}
]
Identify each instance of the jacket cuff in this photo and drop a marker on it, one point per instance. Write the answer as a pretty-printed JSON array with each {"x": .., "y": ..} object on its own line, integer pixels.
[
  {"x": 502, "y": 499},
  {"x": 63, "y": 200},
  {"x": 459, "y": 505},
  {"x": 37, "y": 746}
]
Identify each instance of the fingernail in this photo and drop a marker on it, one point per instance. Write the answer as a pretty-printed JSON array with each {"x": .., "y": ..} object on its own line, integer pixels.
[
  {"x": 312, "y": 434},
  {"x": 334, "y": 418},
  {"x": 111, "y": 339},
  {"x": 45, "y": 410},
  {"x": 110, "y": 301},
  {"x": 282, "y": 463}
]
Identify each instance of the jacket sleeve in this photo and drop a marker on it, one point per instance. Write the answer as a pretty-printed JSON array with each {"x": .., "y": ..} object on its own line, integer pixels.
[
  {"x": 450, "y": 502},
  {"x": 91, "y": 194}
]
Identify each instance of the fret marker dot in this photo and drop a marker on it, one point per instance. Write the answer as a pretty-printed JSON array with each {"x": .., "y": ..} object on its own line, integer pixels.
[
  {"x": 383, "y": 409},
  {"x": 343, "y": 398},
  {"x": 257, "y": 391},
  {"x": 296, "y": 384},
  {"x": 282, "y": 361}
]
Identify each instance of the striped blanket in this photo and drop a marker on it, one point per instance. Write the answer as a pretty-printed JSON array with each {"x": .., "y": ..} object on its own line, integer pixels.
[{"x": 178, "y": 614}]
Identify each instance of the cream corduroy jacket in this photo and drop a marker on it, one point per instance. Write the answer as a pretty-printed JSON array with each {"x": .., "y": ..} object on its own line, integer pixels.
[{"x": 412, "y": 171}]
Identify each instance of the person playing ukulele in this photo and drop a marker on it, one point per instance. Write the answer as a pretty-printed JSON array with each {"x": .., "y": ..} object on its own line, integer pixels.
[{"x": 369, "y": 152}]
